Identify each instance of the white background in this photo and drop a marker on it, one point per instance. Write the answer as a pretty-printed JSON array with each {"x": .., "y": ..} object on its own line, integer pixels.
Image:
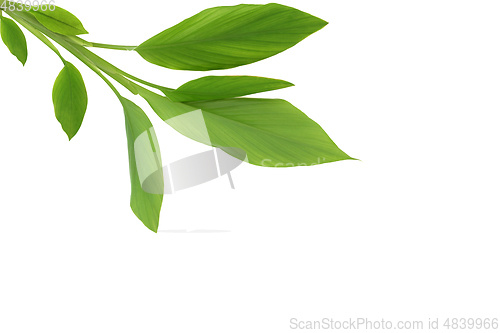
[{"x": 410, "y": 232}]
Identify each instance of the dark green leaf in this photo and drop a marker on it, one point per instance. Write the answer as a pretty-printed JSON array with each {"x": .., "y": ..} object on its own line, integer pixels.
[
  {"x": 144, "y": 159},
  {"x": 14, "y": 38},
  {"x": 229, "y": 36},
  {"x": 219, "y": 87},
  {"x": 60, "y": 21},
  {"x": 70, "y": 99},
  {"x": 272, "y": 132}
]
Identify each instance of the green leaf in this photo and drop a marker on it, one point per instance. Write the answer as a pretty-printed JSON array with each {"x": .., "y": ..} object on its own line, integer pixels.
[
  {"x": 272, "y": 132},
  {"x": 219, "y": 87},
  {"x": 39, "y": 35},
  {"x": 229, "y": 36},
  {"x": 70, "y": 99},
  {"x": 60, "y": 21},
  {"x": 14, "y": 39},
  {"x": 144, "y": 154}
]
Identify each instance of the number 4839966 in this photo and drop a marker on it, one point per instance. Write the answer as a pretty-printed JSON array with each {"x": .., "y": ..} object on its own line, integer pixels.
[
  {"x": 471, "y": 323},
  {"x": 29, "y": 5}
]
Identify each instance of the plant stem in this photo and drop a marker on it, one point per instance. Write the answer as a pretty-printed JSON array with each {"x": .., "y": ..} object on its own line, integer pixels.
[
  {"x": 83, "y": 42},
  {"x": 72, "y": 48},
  {"x": 113, "y": 47},
  {"x": 40, "y": 36},
  {"x": 123, "y": 73},
  {"x": 75, "y": 45},
  {"x": 92, "y": 66}
]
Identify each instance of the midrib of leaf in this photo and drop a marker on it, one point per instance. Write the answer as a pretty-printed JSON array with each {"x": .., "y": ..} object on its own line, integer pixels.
[
  {"x": 188, "y": 92},
  {"x": 204, "y": 94},
  {"x": 210, "y": 39},
  {"x": 70, "y": 89},
  {"x": 50, "y": 17}
]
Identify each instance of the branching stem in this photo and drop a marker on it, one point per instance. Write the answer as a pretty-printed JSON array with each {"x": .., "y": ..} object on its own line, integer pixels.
[{"x": 78, "y": 47}]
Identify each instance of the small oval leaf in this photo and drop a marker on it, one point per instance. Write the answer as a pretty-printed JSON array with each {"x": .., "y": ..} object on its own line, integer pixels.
[
  {"x": 14, "y": 39},
  {"x": 60, "y": 21},
  {"x": 229, "y": 36},
  {"x": 219, "y": 87},
  {"x": 70, "y": 99}
]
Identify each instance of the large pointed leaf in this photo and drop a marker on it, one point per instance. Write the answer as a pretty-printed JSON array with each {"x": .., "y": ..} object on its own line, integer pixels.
[
  {"x": 229, "y": 36},
  {"x": 14, "y": 39},
  {"x": 219, "y": 87},
  {"x": 272, "y": 132},
  {"x": 70, "y": 99},
  {"x": 60, "y": 21},
  {"x": 143, "y": 154}
]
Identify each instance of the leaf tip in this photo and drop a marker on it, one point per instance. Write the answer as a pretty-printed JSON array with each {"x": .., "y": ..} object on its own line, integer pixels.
[
  {"x": 322, "y": 23},
  {"x": 69, "y": 134},
  {"x": 153, "y": 227},
  {"x": 347, "y": 158}
]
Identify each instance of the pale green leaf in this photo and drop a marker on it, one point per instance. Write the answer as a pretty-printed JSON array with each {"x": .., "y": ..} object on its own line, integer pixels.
[
  {"x": 219, "y": 87},
  {"x": 70, "y": 99},
  {"x": 145, "y": 205},
  {"x": 229, "y": 36},
  {"x": 14, "y": 39}
]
